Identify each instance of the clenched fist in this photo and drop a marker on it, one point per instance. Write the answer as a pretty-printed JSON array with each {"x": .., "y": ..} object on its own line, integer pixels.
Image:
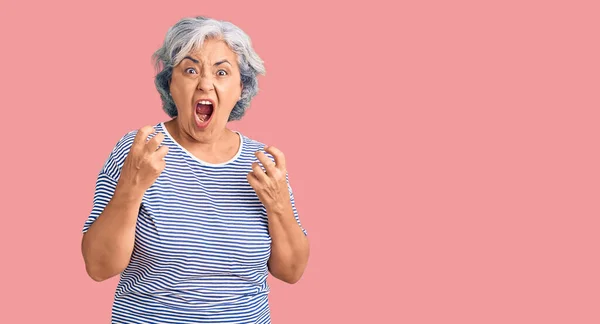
[{"x": 145, "y": 160}]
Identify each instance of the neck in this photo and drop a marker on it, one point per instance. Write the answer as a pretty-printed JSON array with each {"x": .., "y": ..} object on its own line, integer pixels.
[{"x": 212, "y": 147}]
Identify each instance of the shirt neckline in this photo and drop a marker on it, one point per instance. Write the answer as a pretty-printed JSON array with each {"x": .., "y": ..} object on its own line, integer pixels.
[{"x": 192, "y": 156}]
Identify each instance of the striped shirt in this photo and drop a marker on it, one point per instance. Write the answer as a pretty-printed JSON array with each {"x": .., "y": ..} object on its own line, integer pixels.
[{"x": 201, "y": 240}]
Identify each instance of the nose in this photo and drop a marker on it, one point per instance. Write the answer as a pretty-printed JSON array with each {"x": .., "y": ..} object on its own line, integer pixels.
[{"x": 205, "y": 82}]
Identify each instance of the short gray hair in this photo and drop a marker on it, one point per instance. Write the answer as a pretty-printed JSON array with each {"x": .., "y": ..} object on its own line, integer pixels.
[{"x": 189, "y": 34}]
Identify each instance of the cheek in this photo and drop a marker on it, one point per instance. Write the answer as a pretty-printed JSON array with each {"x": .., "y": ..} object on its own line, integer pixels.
[
  {"x": 230, "y": 91},
  {"x": 182, "y": 86}
]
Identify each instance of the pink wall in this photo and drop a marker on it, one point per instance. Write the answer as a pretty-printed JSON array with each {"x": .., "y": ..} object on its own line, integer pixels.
[{"x": 444, "y": 155}]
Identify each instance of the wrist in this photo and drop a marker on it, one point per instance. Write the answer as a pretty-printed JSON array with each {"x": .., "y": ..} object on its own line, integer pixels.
[
  {"x": 128, "y": 192},
  {"x": 279, "y": 209}
]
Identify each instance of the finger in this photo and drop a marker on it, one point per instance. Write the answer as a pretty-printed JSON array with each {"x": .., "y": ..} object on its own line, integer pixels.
[
  {"x": 162, "y": 152},
  {"x": 154, "y": 142},
  {"x": 277, "y": 155},
  {"x": 267, "y": 163},
  {"x": 258, "y": 172},
  {"x": 252, "y": 180},
  {"x": 142, "y": 135}
]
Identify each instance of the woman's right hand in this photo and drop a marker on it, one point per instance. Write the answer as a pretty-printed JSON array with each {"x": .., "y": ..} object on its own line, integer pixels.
[
  {"x": 145, "y": 161},
  {"x": 108, "y": 244}
]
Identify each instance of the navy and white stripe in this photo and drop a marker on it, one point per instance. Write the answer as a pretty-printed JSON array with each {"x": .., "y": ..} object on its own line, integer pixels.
[{"x": 201, "y": 242}]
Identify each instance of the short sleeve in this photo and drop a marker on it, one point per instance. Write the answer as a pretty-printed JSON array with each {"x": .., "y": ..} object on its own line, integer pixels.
[
  {"x": 103, "y": 193},
  {"x": 294, "y": 206},
  {"x": 107, "y": 179}
]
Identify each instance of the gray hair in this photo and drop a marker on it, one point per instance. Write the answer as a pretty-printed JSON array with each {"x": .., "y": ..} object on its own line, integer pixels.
[{"x": 189, "y": 34}]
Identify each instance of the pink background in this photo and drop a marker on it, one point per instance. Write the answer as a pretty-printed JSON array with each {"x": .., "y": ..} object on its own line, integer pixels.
[{"x": 444, "y": 156}]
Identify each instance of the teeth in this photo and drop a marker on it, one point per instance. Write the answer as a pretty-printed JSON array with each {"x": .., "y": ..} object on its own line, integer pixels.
[{"x": 204, "y": 102}]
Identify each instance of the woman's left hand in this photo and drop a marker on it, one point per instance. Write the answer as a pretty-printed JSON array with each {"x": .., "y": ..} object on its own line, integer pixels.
[{"x": 271, "y": 185}]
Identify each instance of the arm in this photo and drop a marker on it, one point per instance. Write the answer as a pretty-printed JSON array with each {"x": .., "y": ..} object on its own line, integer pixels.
[
  {"x": 289, "y": 244},
  {"x": 108, "y": 243}
]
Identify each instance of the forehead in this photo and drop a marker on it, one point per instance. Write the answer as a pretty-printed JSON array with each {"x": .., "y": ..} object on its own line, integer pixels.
[{"x": 213, "y": 50}]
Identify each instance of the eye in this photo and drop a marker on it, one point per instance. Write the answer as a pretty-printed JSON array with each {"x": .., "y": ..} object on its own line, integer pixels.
[
  {"x": 190, "y": 69},
  {"x": 221, "y": 73}
]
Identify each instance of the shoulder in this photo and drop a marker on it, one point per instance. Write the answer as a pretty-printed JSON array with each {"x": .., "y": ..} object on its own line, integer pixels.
[
  {"x": 121, "y": 149},
  {"x": 123, "y": 145},
  {"x": 252, "y": 145}
]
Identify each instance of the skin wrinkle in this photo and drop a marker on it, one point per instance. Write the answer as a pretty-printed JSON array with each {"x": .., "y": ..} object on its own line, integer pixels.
[
  {"x": 196, "y": 78},
  {"x": 189, "y": 34},
  {"x": 109, "y": 240}
]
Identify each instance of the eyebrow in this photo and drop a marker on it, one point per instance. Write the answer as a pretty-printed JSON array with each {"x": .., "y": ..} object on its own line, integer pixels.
[
  {"x": 221, "y": 62},
  {"x": 196, "y": 61},
  {"x": 191, "y": 59}
]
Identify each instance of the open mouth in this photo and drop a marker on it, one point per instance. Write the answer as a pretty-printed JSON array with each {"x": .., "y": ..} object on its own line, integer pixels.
[{"x": 204, "y": 110}]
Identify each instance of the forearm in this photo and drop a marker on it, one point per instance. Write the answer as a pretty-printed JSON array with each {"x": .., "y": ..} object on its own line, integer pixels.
[
  {"x": 289, "y": 246},
  {"x": 108, "y": 244}
]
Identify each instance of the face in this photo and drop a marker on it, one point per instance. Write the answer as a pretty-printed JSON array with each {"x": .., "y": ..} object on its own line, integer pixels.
[{"x": 205, "y": 86}]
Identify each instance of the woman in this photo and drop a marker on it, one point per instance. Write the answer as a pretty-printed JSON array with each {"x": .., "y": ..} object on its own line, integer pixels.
[{"x": 192, "y": 215}]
